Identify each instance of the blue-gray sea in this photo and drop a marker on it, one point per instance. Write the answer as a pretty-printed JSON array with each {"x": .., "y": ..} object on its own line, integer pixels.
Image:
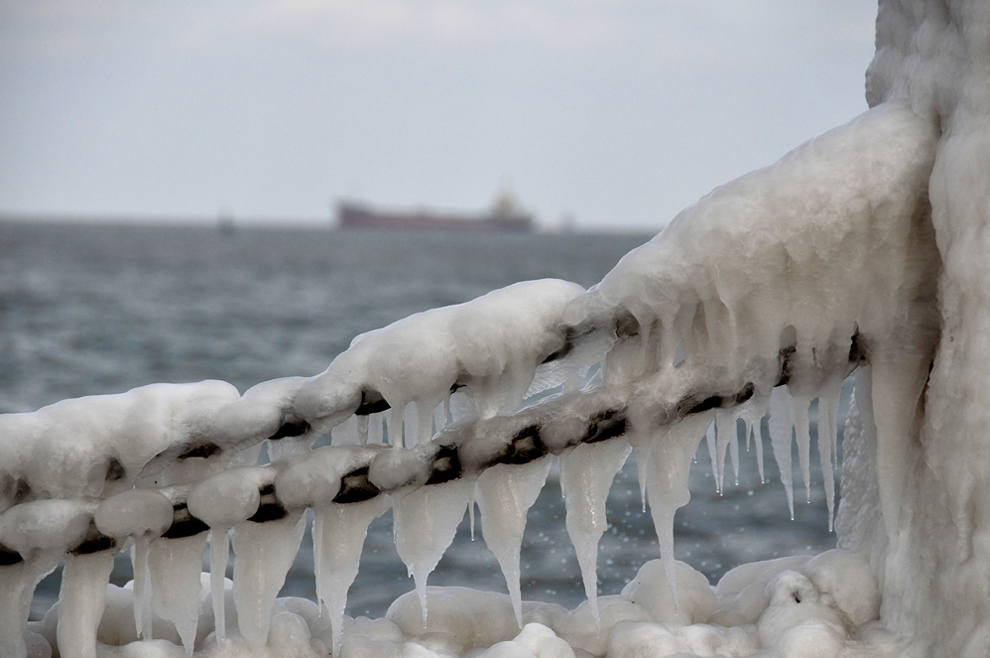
[{"x": 102, "y": 308}]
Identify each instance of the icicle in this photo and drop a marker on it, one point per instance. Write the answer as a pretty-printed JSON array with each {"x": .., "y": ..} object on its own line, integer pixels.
[
  {"x": 425, "y": 522},
  {"x": 647, "y": 349},
  {"x": 898, "y": 380},
  {"x": 669, "y": 471},
  {"x": 505, "y": 494},
  {"x": 339, "y": 532},
  {"x": 828, "y": 409},
  {"x": 725, "y": 427},
  {"x": 586, "y": 475},
  {"x": 316, "y": 535},
  {"x": 219, "y": 557},
  {"x": 440, "y": 414},
  {"x": 40, "y": 532},
  {"x": 471, "y": 503},
  {"x": 426, "y": 418},
  {"x": 835, "y": 422},
  {"x": 362, "y": 429},
  {"x": 781, "y": 426},
  {"x": 642, "y": 444},
  {"x": 15, "y": 607},
  {"x": 642, "y": 459},
  {"x": 348, "y": 433},
  {"x": 17, "y": 584},
  {"x": 419, "y": 423},
  {"x": 802, "y": 435},
  {"x": 514, "y": 383},
  {"x": 713, "y": 455},
  {"x": 409, "y": 427},
  {"x": 352, "y": 432},
  {"x": 376, "y": 428},
  {"x": 748, "y": 430},
  {"x": 758, "y": 440},
  {"x": 462, "y": 405},
  {"x": 265, "y": 551},
  {"x": 622, "y": 363},
  {"x": 81, "y": 601},
  {"x": 176, "y": 565},
  {"x": 670, "y": 342},
  {"x": 142, "y": 593},
  {"x": 143, "y": 514},
  {"x": 752, "y": 414},
  {"x": 734, "y": 451},
  {"x": 393, "y": 427},
  {"x": 223, "y": 501}
]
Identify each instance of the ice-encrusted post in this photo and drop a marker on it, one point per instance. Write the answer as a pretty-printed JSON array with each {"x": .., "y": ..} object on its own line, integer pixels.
[{"x": 936, "y": 568}]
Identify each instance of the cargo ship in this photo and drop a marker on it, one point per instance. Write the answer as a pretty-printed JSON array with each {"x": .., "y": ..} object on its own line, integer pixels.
[{"x": 505, "y": 216}]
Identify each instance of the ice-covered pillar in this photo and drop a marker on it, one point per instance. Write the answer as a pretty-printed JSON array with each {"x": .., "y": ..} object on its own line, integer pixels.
[{"x": 937, "y": 568}]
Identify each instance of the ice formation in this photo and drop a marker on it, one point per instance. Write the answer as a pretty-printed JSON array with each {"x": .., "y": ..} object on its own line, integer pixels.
[{"x": 861, "y": 252}]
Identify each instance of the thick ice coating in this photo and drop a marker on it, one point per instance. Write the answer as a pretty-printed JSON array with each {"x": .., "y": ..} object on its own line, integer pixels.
[
  {"x": 862, "y": 251},
  {"x": 491, "y": 345},
  {"x": 100, "y": 445}
]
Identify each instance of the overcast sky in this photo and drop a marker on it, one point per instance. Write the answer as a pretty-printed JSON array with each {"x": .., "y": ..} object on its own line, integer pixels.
[{"x": 617, "y": 112}]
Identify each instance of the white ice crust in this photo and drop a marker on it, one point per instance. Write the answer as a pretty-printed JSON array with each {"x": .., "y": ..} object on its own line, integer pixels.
[{"x": 862, "y": 252}]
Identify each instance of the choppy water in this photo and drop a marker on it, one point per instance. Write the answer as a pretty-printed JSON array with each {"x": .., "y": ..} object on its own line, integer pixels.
[{"x": 101, "y": 309}]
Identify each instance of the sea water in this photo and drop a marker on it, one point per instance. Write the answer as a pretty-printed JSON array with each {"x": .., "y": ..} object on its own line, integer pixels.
[{"x": 102, "y": 308}]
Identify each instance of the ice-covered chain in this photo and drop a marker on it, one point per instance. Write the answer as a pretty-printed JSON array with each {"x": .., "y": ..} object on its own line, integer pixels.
[
  {"x": 350, "y": 474},
  {"x": 759, "y": 284}
]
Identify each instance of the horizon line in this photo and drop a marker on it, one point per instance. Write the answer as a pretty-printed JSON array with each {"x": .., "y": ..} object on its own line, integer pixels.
[{"x": 228, "y": 222}]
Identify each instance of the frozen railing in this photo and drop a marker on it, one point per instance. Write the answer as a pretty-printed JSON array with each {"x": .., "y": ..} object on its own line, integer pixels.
[{"x": 764, "y": 295}]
